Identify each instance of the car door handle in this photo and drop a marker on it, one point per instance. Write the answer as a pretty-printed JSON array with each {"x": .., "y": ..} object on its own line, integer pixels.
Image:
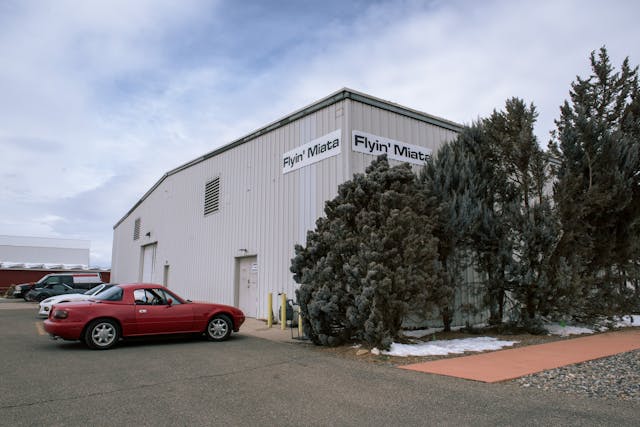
[{"x": 142, "y": 311}]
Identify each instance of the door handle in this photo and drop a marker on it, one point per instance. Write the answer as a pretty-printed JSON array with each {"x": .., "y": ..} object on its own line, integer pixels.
[{"x": 142, "y": 311}]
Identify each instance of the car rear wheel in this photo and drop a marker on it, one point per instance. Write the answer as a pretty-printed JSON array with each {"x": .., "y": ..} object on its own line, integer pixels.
[
  {"x": 219, "y": 328},
  {"x": 102, "y": 334}
]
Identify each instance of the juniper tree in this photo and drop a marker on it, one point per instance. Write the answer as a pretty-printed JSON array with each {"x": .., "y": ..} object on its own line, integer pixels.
[
  {"x": 489, "y": 233},
  {"x": 370, "y": 261},
  {"x": 528, "y": 214},
  {"x": 490, "y": 183},
  {"x": 448, "y": 178},
  {"x": 598, "y": 184}
]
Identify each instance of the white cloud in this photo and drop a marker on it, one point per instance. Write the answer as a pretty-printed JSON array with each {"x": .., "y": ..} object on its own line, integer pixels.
[{"x": 461, "y": 60}]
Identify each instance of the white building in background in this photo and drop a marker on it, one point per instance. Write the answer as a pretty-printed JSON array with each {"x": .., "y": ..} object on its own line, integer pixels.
[
  {"x": 223, "y": 226},
  {"x": 44, "y": 250}
]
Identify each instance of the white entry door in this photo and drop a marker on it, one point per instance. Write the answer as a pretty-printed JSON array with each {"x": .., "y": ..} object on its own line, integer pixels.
[
  {"x": 248, "y": 286},
  {"x": 148, "y": 263}
]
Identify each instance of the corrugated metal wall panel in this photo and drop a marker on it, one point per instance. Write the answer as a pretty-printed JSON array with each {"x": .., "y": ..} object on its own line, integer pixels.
[{"x": 383, "y": 123}]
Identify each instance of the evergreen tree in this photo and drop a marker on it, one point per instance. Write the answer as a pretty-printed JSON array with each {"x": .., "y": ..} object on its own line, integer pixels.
[
  {"x": 448, "y": 178},
  {"x": 598, "y": 185},
  {"x": 528, "y": 215},
  {"x": 492, "y": 197},
  {"x": 372, "y": 260},
  {"x": 490, "y": 185}
]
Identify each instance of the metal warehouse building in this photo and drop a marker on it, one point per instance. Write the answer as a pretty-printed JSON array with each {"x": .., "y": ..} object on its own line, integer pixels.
[{"x": 223, "y": 226}]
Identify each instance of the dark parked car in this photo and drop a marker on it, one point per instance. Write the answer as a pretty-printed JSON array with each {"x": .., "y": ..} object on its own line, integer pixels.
[
  {"x": 139, "y": 309},
  {"x": 51, "y": 290}
]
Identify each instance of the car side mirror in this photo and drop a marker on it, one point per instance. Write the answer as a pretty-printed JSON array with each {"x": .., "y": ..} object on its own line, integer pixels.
[{"x": 169, "y": 301}]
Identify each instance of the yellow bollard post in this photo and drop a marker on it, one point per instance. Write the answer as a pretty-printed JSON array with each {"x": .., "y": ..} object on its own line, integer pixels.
[
  {"x": 269, "y": 309},
  {"x": 283, "y": 312},
  {"x": 299, "y": 325}
]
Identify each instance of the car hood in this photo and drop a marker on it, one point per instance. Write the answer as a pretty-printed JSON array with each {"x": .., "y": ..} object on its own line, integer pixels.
[{"x": 74, "y": 297}]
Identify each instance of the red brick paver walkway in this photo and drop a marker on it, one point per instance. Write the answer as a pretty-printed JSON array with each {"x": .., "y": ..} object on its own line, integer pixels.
[{"x": 514, "y": 363}]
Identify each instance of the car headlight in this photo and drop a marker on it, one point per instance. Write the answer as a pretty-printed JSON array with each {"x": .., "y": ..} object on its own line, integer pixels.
[{"x": 60, "y": 314}]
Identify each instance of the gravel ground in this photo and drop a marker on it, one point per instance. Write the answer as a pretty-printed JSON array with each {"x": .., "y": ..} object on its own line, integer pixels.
[{"x": 615, "y": 378}]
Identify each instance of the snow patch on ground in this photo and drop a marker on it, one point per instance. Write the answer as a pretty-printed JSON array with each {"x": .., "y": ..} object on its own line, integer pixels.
[
  {"x": 420, "y": 333},
  {"x": 630, "y": 320},
  {"x": 565, "y": 331},
  {"x": 443, "y": 347}
]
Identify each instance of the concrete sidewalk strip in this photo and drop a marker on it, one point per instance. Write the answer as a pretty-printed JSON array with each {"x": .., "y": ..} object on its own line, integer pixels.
[
  {"x": 506, "y": 365},
  {"x": 258, "y": 328}
]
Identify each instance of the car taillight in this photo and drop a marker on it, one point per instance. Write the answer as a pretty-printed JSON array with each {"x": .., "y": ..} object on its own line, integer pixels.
[{"x": 60, "y": 314}]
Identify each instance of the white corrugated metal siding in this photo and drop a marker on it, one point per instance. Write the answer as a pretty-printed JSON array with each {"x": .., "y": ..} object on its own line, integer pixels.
[{"x": 263, "y": 212}]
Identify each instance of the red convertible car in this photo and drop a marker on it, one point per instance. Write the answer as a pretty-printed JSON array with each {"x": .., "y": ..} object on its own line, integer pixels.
[{"x": 139, "y": 309}]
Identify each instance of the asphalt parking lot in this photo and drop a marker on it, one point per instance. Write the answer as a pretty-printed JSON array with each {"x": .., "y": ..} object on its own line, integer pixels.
[{"x": 252, "y": 381}]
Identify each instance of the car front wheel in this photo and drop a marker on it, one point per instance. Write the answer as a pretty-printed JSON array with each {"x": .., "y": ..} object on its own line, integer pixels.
[
  {"x": 219, "y": 328},
  {"x": 102, "y": 334}
]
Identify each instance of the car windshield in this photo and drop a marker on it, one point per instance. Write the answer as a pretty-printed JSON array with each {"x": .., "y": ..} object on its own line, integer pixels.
[
  {"x": 112, "y": 294},
  {"x": 95, "y": 290}
]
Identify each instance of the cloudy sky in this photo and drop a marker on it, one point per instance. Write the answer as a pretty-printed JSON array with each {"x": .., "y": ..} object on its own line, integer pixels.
[{"x": 98, "y": 99}]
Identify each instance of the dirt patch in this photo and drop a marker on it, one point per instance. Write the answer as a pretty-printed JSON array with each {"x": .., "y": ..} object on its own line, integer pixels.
[{"x": 355, "y": 352}]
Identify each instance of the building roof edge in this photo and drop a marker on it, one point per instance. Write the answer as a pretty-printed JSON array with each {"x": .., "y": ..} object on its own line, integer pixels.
[{"x": 344, "y": 93}]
